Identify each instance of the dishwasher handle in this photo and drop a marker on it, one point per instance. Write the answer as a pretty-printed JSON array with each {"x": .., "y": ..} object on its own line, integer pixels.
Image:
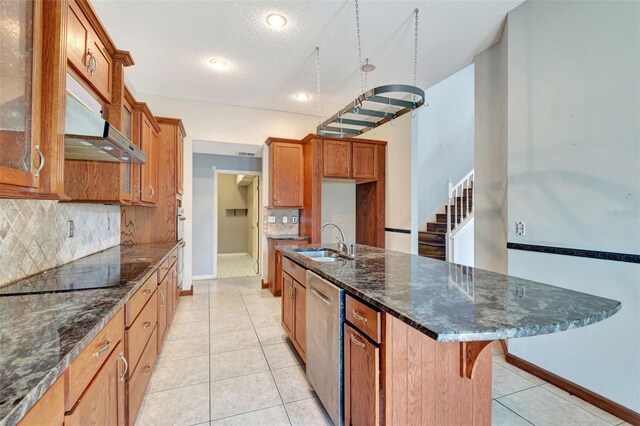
[{"x": 326, "y": 299}]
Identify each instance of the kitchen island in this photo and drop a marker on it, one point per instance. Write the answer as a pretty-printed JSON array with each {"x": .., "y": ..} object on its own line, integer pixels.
[{"x": 428, "y": 362}]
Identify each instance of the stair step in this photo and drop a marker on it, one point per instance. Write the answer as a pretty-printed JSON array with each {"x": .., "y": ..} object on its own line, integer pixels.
[
  {"x": 426, "y": 250},
  {"x": 461, "y": 207},
  {"x": 438, "y": 227},
  {"x": 431, "y": 237},
  {"x": 442, "y": 217}
]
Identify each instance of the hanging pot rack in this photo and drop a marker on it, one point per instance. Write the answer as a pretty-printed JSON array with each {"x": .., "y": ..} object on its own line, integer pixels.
[
  {"x": 364, "y": 113},
  {"x": 371, "y": 109}
]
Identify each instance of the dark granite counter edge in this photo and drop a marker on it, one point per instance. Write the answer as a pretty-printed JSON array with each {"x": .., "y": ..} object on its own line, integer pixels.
[
  {"x": 505, "y": 333},
  {"x": 19, "y": 411}
]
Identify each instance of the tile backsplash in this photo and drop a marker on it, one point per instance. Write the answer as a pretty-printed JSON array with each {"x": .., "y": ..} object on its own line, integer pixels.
[
  {"x": 34, "y": 234},
  {"x": 280, "y": 228}
]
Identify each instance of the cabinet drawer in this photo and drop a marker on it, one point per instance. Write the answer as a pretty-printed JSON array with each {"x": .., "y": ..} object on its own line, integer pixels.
[
  {"x": 163, "y": 269},
  {"x": 296, "y": 271},
  {"x": 141, "y": 376},
  {"x": 49, "y": 410},
  {"x": 364, "y": 317},
  {"x": 137, "y": 302},
  {"x": 82, "y": 370},
  {"x": 141, "y": 329}
]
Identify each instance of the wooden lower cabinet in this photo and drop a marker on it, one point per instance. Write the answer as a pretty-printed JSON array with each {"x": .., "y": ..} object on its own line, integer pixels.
[
  {"x": 140, "y": 377},
  {"x": 163, "y": 299},
  {"x": 300, "y": 313},
  {"x": 103, "y": 402},
  {"x": 49, "y": 410},
  {"x": 288, "y": 306},
  {"x": 274, "y": 261},
  {"x": 141, "y": 330},
  {"x": 361, "y": 379}
]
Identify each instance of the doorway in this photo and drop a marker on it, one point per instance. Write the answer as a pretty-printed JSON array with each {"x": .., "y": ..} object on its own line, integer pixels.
[{"x": 237, "y": 217}]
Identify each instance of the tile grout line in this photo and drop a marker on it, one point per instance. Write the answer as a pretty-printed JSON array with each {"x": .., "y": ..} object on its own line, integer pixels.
[{"x": 514, "y": 412}]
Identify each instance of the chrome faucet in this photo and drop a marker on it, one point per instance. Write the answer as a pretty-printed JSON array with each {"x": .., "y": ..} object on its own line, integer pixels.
[{"x": 343, "y": 247}]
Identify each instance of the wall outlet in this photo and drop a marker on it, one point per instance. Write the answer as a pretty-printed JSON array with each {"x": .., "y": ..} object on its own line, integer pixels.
[
  {"x": 70, "y": 228},
  {"x": 271, "y": 219},
  {"x": 285, "y": 219},
  {"x": 520, "y": 229},
  {"x": 294, "y": 219}
]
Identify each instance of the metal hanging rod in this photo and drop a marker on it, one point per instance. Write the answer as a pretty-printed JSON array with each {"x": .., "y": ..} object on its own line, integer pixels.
[{"x": 367, "y": 119}]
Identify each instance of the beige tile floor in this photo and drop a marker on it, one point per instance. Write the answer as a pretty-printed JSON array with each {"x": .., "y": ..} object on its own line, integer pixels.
[
  {"x": 235, "y": 265},
  {"x": 226, "y": 361}
]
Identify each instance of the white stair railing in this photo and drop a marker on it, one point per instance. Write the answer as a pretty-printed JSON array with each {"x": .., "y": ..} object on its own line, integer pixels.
[{"x": 462, "y": 212}]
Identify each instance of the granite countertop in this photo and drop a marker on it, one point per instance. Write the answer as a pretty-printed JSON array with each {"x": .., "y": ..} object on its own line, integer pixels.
[
  {"x": 293, "y": 237},
  {"x": 450, "y": 302},
  {"x": 41, "y": 334}
]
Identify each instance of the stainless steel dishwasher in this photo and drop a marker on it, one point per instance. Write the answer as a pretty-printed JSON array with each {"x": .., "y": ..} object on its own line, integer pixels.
[{"x": 325, "y": 318}]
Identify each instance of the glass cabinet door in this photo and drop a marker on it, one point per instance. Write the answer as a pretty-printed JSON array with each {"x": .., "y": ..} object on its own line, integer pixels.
[
  {"x": 17, "y": 145},
  {"x": 126, "y": 168}
]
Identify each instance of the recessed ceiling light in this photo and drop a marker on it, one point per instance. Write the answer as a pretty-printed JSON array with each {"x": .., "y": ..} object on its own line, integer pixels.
[
  {"x": 276, "y": 20},
  {"x": 301, "y": 97},
  {"x": 219, "y": 64},
  {"x": 107, "y": 148}
]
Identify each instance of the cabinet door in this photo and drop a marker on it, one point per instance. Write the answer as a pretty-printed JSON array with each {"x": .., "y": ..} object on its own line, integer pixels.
[
  {"x": 287, "y": 175},
  {"x": 126, "y": 169},
  {"x": 102, "y": 403},
  {"x": 364, "y": 161},
  {"x": 19, "y": 157},
  {"x": 179, "y": 165},
  {"x": 99, "y": 67},
  {"x": 163, "y": 299},
  {"x": 78, "y": 31},
  {"x": 300, "y": 322},
  {"x": 287, "y": 304},
  {"x": 336, "y": 159},
  {"x": 361, "y": 379},
  {"x": 148, "y": 171}
]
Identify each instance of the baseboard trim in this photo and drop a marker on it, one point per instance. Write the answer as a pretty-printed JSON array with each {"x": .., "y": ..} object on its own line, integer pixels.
[
  {"x": 592, "y": 398},
  {"x": 186, "y": 292},
  {"x": 263, "y": 285},
  {"x": 202, "y": 277}
]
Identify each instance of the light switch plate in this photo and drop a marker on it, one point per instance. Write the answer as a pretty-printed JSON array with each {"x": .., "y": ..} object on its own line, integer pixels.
[
  {"x": 294, "y": 219},
  {"x": 520, "y": 228},
  {"x": 271, "y": 219},
  {"x": 285, "y": 219}
]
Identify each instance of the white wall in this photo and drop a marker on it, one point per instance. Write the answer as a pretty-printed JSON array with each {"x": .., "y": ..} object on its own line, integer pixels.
[
  {"x": 463, "y": 245},
  {"x": 206, "y": 121},
  {"x": 399, "y": 200},
  {"x": 490, "y": 180},
  {"x": 446, "y": 142},
  {"x": 574, "y": 177},
  {"x": 339, "y": 206}
]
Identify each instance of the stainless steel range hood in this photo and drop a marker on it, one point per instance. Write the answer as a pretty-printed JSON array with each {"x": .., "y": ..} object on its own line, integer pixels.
[{"x": 90, "y": 137}]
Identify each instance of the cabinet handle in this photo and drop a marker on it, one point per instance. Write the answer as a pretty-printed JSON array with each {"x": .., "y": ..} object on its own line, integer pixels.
[
  {"x": 357, "y": 315},
  {"x": 42, "y": 161},
  {"x": 146, "y": 324},
  {"x": 147, "y": 291},
  {"x": 174, "y": 273},
  {"x": 104, "y": 348},
  {"x": 355, "y": 340},
  {"x": 152, "y": 191},
  {"x": 146, "y": 369},
  {"x": 92, "y": 64},
  {"x": 126, "y": 366},
  {"x": 161, "y": 295}
]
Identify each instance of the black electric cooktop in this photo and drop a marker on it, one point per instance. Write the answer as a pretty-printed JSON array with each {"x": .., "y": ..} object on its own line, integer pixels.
[{"x": 92, "y": 272}]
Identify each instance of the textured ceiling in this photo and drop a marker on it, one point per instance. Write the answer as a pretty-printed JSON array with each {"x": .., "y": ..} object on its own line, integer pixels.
[{"x": 172, "y": 41}]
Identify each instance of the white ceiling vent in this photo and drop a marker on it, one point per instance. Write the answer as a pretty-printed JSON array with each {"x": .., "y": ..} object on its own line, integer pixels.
[{"x": 245, "y": 154}]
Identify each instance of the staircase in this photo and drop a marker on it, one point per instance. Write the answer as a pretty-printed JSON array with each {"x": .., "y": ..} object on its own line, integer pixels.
[{"x": 436, "y": 241}]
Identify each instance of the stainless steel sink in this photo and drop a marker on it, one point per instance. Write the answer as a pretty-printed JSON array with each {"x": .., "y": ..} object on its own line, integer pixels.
[{"x": 322, "y": 254}]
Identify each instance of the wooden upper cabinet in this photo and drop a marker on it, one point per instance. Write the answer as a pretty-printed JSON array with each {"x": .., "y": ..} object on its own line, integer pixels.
[
  {"x": 286, "y": 172},
  {"x": 173, "y": 134},
  {"x": 336, "y": 159},
  {"x": 86, "y": 53},
  {"x": 180, "y": 165},
  {"x": 364, "y": 161},
  {"x": 149, "y": 170}
]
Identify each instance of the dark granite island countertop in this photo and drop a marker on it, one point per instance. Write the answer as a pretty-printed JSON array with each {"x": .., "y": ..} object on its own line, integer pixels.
[
  {"x": 450, "y": 302},
  {"x": 41, "y": 334}
]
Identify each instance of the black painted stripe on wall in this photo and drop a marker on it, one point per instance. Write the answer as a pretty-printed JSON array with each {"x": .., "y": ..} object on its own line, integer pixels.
[
  {"x": 398, "y": 230},
  {"x": 593, "y": 254}
]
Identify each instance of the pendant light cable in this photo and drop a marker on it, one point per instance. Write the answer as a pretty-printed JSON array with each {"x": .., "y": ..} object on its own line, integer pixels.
[
  {"x": 415, "y": 51},
  {"x": 318, "y": 84},
  {"x": 362, "y": 83}
]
